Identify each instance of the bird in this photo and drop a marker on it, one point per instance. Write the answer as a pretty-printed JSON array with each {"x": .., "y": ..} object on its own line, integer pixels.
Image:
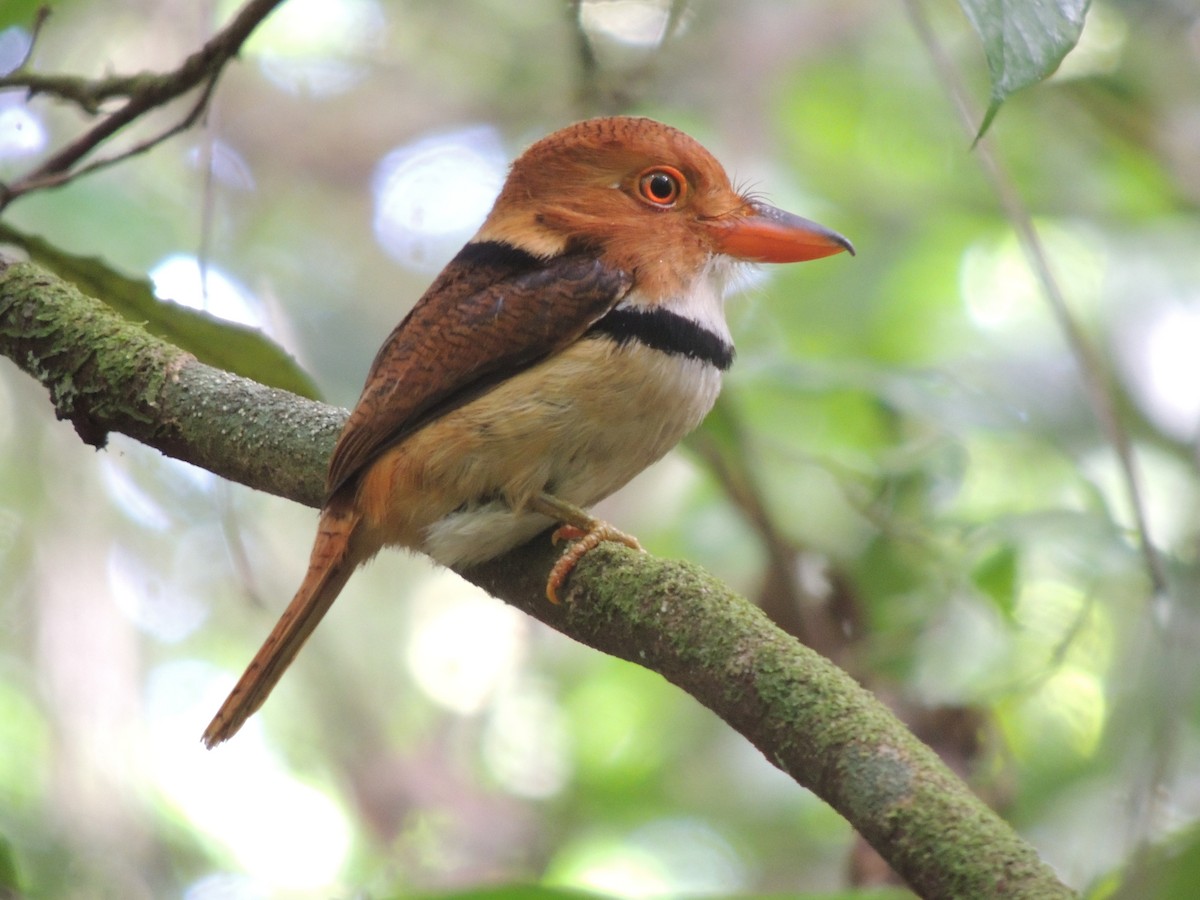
[{"x": 573, "y": 341}]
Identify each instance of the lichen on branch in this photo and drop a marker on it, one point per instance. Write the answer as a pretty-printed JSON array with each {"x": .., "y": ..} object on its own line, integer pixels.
[{"x": 807, "y": 717}]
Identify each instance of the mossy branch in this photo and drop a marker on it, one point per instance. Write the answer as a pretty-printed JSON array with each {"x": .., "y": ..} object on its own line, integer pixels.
[{"x": 807, "y": 716}]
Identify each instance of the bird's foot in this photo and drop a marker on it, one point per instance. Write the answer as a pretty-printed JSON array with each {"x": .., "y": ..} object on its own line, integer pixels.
[
  {"x": 576, "y": 525},
  {"x": 585, "y": 540}
]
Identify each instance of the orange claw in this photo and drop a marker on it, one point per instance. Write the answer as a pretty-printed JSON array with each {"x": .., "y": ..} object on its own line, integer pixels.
[{"x": 585, "y": 541}]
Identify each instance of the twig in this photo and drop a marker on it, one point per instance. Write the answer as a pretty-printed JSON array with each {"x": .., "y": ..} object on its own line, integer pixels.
[
  {"x": 143, "y": 92},
  {"x": 1095, "y": 382},
  {"x": 1099, "y": 393},
  {"x": 86, "y": 93},
  {"x": 57, "y": 179}
]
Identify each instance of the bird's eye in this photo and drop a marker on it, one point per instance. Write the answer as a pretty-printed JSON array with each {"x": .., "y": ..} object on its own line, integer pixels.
[{"x": 661, "y": 186}]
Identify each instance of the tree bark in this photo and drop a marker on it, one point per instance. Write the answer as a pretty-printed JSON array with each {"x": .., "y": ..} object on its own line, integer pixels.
[{"x": 806, "y": 716}]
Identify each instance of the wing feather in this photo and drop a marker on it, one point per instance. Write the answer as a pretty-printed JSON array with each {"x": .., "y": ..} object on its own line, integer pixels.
[{"x": 493, "y": 311}]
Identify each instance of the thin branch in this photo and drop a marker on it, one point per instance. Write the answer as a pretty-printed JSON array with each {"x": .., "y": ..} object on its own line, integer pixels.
[
  {"x": 30, "y": 184},
  {"x": 783, "y": 597},
  {"x": 1099, "y": 392},
  {"x": 144, "y": 93},
  {"x": 87, "y": 93},
  {"x": 1096, "y": 383},
  {"x": 807, "y": 716}
]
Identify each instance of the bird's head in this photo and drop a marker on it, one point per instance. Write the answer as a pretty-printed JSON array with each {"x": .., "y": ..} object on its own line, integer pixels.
[{"x": 647, "y": 198}]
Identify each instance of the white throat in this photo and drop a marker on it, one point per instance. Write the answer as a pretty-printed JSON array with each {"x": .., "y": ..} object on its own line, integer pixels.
[{"x": 703, "y": 302}]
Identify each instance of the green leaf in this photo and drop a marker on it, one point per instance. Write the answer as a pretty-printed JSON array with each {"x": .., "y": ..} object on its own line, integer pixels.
[
  {"x": 538, "y": 892},
  {"x": 996, "y": 576},
  {"x": 217, "y": 342},
  {"x": 1166, "y": 871},
  {"x": 9, "y": 883},
  {"x": 19, "y": 12},
  {"x": 511, "y": 892},
  {"x": 1024, "y": 40}
]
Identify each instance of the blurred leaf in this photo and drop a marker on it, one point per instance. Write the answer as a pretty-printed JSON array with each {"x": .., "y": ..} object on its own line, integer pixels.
[
  {"x": 18, "y": 12},
  {"x": 217, "y": 342},
  {"x": 996, "y": 576},
  {"x": 535, "y": 892},
  {"x": 1025, "y": 40},
  {"x": 613, "y": 717},
  {"x": 1168, "y": 871},
  {"x": 513, "y": 892},
  {"x": 8, "y": 870},
  {"x": 888, "y": 568}
]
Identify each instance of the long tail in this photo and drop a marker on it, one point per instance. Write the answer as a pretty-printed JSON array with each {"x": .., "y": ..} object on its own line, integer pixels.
[{"x": 330, "y": 566}]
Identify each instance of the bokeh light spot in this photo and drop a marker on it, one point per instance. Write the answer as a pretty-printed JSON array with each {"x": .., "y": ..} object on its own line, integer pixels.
[
  {"x": 637, "y": 23},
  {"x": 610, "y": 866},
  {"x": 15, "y": 42},
  {"x": 1065, "y": 717},
  {"x": 1163, "y": 367},
  {"x": 21, "y": 131},
  {"x": 228, "y": 167},
  {"x": 432, "y": 195},
  {"x": 525, "y": 742},
  {"x": 317, "y": 47},
  {"x": 464, "y": 644},
  {"x": 1002, "y": 294},
  {"x": 284, "y": 833},
  {"x": 180, "y": 279},
  {"x": 151, "y": 599}
]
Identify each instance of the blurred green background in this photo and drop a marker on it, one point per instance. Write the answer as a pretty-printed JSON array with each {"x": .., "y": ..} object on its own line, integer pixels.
[{"x": 905, "y": 469}]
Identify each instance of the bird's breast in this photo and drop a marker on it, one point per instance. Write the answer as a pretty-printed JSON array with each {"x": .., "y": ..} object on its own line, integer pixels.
[{"x": 578, "y": 425}]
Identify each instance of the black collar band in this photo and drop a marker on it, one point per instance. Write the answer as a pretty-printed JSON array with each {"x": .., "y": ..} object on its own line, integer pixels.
[{"x": 667, "y": 331}]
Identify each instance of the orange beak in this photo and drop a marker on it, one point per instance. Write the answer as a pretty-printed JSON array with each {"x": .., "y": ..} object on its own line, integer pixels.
[{"x": 761, "y": 233}]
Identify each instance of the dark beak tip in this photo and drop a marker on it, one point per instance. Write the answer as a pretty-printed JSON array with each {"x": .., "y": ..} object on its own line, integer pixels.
[{"x": 828, "y": 234}]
